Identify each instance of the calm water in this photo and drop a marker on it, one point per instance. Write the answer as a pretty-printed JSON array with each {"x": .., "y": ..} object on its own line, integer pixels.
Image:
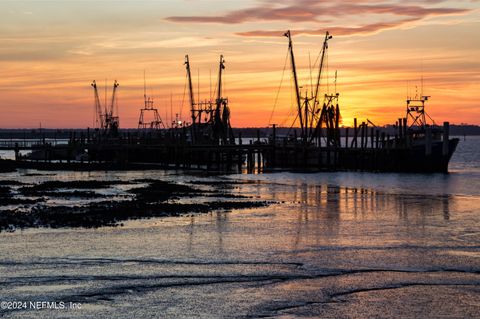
[{"x": 334, "y": 245}]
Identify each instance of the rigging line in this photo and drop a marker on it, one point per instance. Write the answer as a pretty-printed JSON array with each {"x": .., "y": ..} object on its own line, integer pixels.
[
  {"x": 290, "y": 128},
  {"x": 287, "y": 117},
  {"x": 317, "y": 59},
  {"x": 328, "y": 72},
  {"x": 310, "y": 66},
  {"x": 183, "y": 98},
  {"x": 316, "y": 103},
  {"x": 433, "y": 121},
  {"x": 291, "y": 111},
  {"x": 214, "y": 98},
  {"x": 215, "y": 90},
  {"x": 279, "y": 88},
  {"x": 317, "y": 106},
  {"x": 292, "y": 108},
  {"x": 224, "y": 82},
  {"x": 291, "y": 96}
]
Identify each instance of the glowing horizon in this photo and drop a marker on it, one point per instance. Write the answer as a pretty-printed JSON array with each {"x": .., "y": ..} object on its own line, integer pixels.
[{"x": 53, "y": 50}]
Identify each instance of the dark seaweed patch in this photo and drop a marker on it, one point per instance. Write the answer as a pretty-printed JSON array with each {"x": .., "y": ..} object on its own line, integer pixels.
[
  {"x": 50, "y": 188},
  {"x": 6, "y": 198},
  {"x": 153, "y": 200},
  {"x": 77, "y": 194},
  {"x": 158, "y": 191},
  {"x": 107, "y": 214},
  {"x": 10, "y": 182},
  {"x": 52, "y": 185},
  {"x": 4, "y": 191}
]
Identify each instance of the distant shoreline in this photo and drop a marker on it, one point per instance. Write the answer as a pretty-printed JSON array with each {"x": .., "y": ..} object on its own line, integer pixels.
[{"x": 247, "y": 132}]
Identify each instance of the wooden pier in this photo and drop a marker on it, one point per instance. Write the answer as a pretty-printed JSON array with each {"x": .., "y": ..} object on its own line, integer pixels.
[{"x": 367, "y": 149}]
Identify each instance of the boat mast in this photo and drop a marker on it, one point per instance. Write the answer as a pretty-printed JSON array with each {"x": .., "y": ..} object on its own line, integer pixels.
[
  {"x": 316, "y": 102},
  {"x": 190, "y": 88},
  {"x": 219, "y": 89},
  {"x": 98, "y": 106},
  {"x": 297, "y": 92},
  {"x": 192, "y": 101},
  {"x": 322, "y": 59},
  {"x": 218, "y": 121},
  {"x": 112, "y": 102},
  {"x": 110, "y": 118}
]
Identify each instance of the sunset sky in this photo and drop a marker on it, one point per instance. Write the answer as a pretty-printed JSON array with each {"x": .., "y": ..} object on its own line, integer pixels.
[{"x": 50, "y": 51}]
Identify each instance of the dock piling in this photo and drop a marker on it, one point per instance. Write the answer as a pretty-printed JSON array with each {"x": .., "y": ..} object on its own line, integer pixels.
[
  {"x": 346, "y": 137},
  {"x": 428, "y": 141},
  {"x": 446, "y": 133},
  {"x": 355, "y": 132}
]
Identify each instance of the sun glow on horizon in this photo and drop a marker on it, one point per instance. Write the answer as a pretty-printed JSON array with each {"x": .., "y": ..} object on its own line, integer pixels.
[{"x": 51, "y": 52}]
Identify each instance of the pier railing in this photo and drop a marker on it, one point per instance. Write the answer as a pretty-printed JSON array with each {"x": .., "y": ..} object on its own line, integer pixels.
[{"x": 28, "y": 144}]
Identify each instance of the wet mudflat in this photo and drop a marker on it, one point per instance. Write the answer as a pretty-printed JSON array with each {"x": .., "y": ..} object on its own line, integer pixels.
[
  {"x": 142, "y": 198},
  {"x": 340, "y": 245}
]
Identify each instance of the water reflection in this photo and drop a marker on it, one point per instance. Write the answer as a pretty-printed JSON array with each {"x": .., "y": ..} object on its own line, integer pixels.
[
  {"x": 221, "y": 224},
  {"x": 327, "y": 214},
  {"x": 446, "y": 205},
  {"x": 336, "y": 203},
  {"x": 190, "y": 229},
  {"x": 318, "y": 240}
]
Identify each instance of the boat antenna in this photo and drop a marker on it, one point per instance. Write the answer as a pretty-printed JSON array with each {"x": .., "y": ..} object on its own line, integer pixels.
[
  {"x": 421, "y": 79},
  {"x": 105, "y": 105},
  {"x": 171, "y": 108},
  {"x": 336, "y": 81},
  {"x": 144, "y": 89},
  {"x": 421, "y": 86},
  {"x": 198, "y": 85}
]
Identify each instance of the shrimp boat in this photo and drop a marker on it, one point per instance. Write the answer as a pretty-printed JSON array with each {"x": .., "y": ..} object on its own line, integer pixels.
[{"x": 415, "y": 145}]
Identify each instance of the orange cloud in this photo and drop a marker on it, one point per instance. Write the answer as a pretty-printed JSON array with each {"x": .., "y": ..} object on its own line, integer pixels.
[
  {"x": 315, "y": 11},
  {"x": 338, "y": 31}
]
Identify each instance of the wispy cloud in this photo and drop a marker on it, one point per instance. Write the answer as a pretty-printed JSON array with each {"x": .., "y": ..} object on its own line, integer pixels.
[
  {"x": 383, "y": 14},
  {"x": 314, "y": 12},
  {"x": 338, "y": 31},
  {"x": 179, "y": 42}
]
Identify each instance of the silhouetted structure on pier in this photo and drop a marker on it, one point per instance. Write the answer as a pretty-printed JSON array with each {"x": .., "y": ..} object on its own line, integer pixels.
[{"x": 208, "y": 142}]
